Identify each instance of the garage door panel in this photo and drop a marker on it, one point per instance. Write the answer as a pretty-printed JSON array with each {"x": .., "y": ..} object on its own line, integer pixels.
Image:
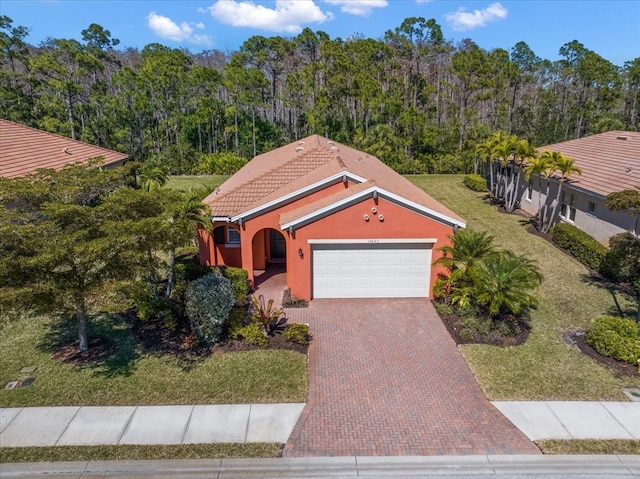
[{"x": 371, "y": 270}]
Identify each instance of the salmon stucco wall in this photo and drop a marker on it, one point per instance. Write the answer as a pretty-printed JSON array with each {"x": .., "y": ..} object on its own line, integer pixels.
[{"x": 349, "y": 223}]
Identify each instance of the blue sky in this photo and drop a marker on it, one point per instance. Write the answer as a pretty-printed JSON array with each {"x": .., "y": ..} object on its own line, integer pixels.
[{"x": 610, "y": 28}]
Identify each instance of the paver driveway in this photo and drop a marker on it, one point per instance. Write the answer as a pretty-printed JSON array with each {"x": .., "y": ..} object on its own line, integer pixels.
[{"x": 385, "y": 378}]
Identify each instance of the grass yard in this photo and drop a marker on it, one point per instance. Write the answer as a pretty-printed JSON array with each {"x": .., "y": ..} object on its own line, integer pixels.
[
  {"x": 135, "y": 452},
  {"x": 135, "y": 377},
  {"x": 188, "y": 182},
  {"x": 545, "y": 367}
]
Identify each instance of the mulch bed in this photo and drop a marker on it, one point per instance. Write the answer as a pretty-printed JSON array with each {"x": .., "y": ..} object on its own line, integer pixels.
[
  {"x": 100, "y": 348},
  {"x": 621, "y": 369},
  {"x": 452, "y": 323},
  {"x": 155, "y": 337}
]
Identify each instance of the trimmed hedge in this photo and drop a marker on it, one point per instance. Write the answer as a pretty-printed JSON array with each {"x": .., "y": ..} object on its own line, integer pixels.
[
  {"x": 475, "y": 182},
  {"x": 239, "y": 279},
  {"x": 584, "y": 247},
  {"x": 617, "y": 338}
]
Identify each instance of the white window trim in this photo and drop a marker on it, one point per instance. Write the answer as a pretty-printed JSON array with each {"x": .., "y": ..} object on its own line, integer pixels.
[{"x": 230, "y": 243}]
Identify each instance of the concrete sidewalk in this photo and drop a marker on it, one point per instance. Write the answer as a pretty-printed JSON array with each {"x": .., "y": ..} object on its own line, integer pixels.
[
  {"x": 89, "y": 425},
  {"x": 574, "y": 419},
  {"x": 341, "y": 467},
  {"x": 242, "y": 423}
]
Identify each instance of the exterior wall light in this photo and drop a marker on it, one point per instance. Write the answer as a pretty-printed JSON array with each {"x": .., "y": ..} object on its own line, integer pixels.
[{"x": 300, "y": 253}]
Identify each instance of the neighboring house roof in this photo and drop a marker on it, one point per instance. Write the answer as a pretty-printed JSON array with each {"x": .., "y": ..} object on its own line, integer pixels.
[
  {"x": 23, "y": 150},
  {"x": 609, "y": 161},
  {"x": 307, "y": 165}
]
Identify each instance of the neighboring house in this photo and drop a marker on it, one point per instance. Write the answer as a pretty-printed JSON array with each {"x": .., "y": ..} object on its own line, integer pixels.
[
  {"x": 609, "y": 162},
  {"x": 24, "y": 150},
  {"x": 344, "y": 224}
]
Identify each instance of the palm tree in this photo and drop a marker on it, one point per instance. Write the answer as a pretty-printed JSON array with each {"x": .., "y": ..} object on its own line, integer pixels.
[
  {"x": 522, "y": 154},
  {"x": 468, "y": 249},
  {"x": 487, "y": 151},
  {"x": 184, "y": 213},
  {"x": 566, "y": 166},
  {"x": 504, "y": 283},
  {"x": 504, "y": 150},
  {"x": 153, "y": 174},
  {"x": 540, "y": 166}
]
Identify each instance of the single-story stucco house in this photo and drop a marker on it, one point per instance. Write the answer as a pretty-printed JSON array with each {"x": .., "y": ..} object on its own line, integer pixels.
[
  {"x": 609, "y": 162},
  {"x": 24, "y": 150},
  {"x": 343, "y": 223}
]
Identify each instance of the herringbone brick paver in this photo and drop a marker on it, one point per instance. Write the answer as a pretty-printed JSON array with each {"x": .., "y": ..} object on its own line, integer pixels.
[{"x": 386, "y": 379}]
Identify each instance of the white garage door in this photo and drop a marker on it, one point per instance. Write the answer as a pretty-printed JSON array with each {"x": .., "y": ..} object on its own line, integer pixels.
[{"x": 371, "y": 270}]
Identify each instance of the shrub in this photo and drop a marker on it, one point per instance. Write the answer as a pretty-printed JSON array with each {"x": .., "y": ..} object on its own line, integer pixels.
[
  {"x": 615, "y": 337},
  {"x": 208, "y": 301},
  {"x": 237, "y": 321},
  {"x": 252, "y": 334},
  {"x": 297, "y": 333},
  {"x": 475, "y": 182},
  {"x": 440, "y": 287},
  {"x": 584, "y": 247},
  {"x": 265, "y": 314},
  {"x": 239, "y": 279},
  {"x": 622, "y": 262}
]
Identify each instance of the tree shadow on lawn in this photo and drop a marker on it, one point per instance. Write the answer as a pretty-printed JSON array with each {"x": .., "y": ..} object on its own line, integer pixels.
[
  {"x": 112, "y": 348},
  {"x": 616, "y": 290}
]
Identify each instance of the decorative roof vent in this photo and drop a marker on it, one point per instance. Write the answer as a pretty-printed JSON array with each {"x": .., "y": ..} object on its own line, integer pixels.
[
  {"x": 300, "y": 146},
  {"x": 334, "y": 148},
  {"x": 66, "y": 150}
]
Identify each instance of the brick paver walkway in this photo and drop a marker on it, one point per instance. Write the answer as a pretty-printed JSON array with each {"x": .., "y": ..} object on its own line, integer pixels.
[{"x": 386, "y": 379}]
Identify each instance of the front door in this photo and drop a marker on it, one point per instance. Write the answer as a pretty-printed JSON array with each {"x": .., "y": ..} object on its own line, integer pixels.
[{"x": 278, "y": 246}]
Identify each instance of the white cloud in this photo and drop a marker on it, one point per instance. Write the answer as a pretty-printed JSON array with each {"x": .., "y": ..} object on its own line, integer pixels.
[
  {"x": 166, "y": 28},
  {"x": 358, "y": 7},
  {"x": 287, "y": 16},
  {"x": 462, "y": 20}
]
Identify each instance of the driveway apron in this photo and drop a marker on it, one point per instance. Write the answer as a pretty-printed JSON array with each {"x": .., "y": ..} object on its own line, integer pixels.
[{"x": 386, "y": 379}]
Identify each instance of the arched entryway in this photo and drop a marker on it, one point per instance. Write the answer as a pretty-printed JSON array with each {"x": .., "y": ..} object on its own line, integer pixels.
[{"x": 269, "y": 248}]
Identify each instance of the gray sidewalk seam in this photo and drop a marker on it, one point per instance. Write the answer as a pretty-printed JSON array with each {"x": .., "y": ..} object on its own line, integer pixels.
[
  {"x": 67, "y": 426},
  {"x": 564, "y": 426},
  {"x": 604, "y": 405},
  {"x": 126, "y": 426},
  {"x": 186, "y": 426}
]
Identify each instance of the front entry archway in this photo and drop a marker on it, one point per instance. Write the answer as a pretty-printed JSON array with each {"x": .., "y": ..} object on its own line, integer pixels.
[{"x": 269, "y": 248}]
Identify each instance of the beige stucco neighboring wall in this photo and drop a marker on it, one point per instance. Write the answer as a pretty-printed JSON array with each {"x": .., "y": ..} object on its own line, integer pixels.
[{"x": 601, "y": 224}]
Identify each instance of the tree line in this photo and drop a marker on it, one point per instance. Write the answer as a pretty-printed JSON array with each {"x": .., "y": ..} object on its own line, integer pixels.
[{"x": 416, "y": 100}]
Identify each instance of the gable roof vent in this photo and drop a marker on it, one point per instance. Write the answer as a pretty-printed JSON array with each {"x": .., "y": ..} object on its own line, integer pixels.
[
  {"x": 621, "y": 137},
  {"x": 300, "y": 146}
]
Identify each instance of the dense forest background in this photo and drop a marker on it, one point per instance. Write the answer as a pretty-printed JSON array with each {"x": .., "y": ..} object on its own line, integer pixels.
[{"x": 412, "y": 98}]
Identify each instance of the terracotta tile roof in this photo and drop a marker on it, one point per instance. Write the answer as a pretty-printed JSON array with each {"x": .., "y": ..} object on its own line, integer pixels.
[
  {"x": 609, "y": 161},
  {"x": 302, "y": 163},
  {"x": 23, "y": 150}
]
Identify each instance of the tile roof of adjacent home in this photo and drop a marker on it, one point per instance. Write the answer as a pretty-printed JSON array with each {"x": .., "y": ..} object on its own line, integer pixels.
[
  {"x": 307, "y": 162},
  {"x": 23, "y": 150},
  {"x": 609, "y": 161}
]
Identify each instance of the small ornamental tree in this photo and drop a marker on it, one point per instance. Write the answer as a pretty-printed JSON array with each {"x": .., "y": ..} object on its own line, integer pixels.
[{"x": 208, "y": 302}]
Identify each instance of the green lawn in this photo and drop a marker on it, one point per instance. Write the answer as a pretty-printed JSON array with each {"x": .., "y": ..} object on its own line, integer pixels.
[
  {"x": 545, "y": 367},
  {"x": 136, "y": 377},
  {"x": 135, "y": 452},
  {"x": 188, "y": 182}
]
